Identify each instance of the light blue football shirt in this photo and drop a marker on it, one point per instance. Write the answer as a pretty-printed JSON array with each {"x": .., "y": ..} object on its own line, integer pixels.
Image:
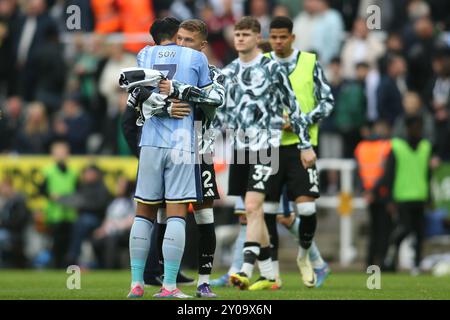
[{"x": 185, "y": 65}]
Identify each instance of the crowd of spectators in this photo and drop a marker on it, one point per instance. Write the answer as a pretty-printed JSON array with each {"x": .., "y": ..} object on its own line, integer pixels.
[{"x": 57, "y": 82}]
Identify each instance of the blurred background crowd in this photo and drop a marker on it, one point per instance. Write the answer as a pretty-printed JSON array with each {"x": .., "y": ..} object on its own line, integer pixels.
[{"x": 59, "y": 88}]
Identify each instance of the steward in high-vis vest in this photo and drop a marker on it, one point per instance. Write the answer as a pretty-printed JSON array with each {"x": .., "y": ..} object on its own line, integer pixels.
[
  {"x": 314, "y": 96},
  {"x": 59, "y": 180},
  {"x": 407, "y": 176},
  {"x": 371, "y": 155}
]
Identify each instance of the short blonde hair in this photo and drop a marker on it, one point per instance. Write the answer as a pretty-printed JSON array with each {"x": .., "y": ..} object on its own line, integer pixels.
[{"x": 196, "y": 25}]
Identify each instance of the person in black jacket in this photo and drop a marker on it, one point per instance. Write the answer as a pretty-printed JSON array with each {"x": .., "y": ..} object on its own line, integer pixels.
[
  {"x": 91, "y": 200},
  {"x": 14, "y": 218}
]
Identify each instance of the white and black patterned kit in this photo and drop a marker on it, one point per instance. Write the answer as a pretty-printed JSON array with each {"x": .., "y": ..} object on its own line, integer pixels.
[{"x": 255, "y": 97}]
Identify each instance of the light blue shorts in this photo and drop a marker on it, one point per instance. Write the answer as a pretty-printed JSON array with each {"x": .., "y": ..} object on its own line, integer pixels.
[{"x": 167, "y": 175}]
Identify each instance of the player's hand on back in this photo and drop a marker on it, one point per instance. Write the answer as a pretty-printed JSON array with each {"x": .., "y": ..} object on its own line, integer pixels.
[
  {"x": 308, "y": 158},
  {"x": 179, "y": 109}
]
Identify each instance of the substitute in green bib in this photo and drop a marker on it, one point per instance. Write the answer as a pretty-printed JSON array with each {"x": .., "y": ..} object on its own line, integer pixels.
[
  {"x": 407, "y": 176},
  {"x": 314, "y": 96}
]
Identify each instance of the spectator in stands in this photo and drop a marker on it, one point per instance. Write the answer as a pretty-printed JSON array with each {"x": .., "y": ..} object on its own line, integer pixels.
[
  {"x": 407, "y": 177},
  {"x": 260, "y": 10},
  {"x": 116, "y": 142},
  {"x": 413, "y": 106},
  {"x": 391, "y": 88},
  {"x": 394, "y": 46},
  {"x": 319, "y": 29},
  {"x": 349, "y": 11},
  {"x": 362, "y": 46},
  {"x": 109, "y": 85},
  {"x": 371, "y": 155},
  {"x": 73, "y": 125},
  {"x": 418, "y": 55},
  {"x": 34, "y": 136},
  {"x": 51, "y": 70},
  {"x": 11, "y": 121},
  {"x": 14, "y": 219},
  {"x": 84, "y": 68},
  {"x": 90, "y": 200},
  {"x": 113, "y": 233},
  {"x": 440, "y": 101},
  {"x": 8, "y": 15},
  {"x": 59, "y": 180},
  {"x": 217, "y": 24},
  {"x": 350, "y": 113},
  {"x": 28, "y": 36},
  {"x": 281, "y": 11}
]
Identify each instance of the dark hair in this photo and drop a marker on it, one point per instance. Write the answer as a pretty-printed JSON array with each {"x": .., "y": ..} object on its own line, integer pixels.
[
  {"x": 282, "y": 23},
  {"x": 196, "y": 25},
  {"x": 362, "y": 65},
  {"x": 250, "y": 23},
  {"x": 164, "y": 29},
  {"x": 336, "y": 60}
]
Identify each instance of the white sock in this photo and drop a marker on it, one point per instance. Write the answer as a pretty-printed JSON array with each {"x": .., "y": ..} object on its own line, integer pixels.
[
  {"x": 266, "y": 269},
  {"x": 276, "y": 268},
  {"x": 202, "y": 278},
  {"x": 247, "y": 268}
]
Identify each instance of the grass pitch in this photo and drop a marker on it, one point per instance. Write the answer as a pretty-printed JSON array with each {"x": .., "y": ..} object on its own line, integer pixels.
[{"x": 114, "y": 285}]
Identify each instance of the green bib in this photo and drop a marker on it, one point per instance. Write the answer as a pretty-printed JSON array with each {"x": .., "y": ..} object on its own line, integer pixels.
[
  {"x": 302, "y": 82},
  {"x": 411, "y": 172},
  {"x": 60, "y": 183}
]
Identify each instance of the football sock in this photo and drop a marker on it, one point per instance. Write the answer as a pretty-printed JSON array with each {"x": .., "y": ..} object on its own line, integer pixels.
[
  {"x": 314, "y": 253},
  {"x": 271, "y": 222},
  {"x": 315, "y": 257},
  {"x": 265, "y": 264},
  {"x": 294, "y": 227},
  {"x": 238, "y": 260},
  {"x": 308, "y": 223},
  {"x": 206, "y": 242},
  {"x": 152, "y": 268},
  {"x": 276, "y": 268},
  {"x": 251, "y": 252},
  {"x": 173, "y": 249},
  {"x": 139, "y": 243}
]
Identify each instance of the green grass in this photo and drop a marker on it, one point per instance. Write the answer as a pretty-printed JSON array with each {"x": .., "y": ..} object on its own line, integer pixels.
[{"x": 96, "y": 285}]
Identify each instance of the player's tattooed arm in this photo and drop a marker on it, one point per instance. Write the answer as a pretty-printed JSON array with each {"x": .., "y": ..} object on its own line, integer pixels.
[
  {"x": 286, "y": 97},
  {"x": 323, "y": 96}
]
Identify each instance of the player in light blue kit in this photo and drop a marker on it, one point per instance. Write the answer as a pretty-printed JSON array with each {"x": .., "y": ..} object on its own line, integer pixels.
[{"x": 168, "y": 171}]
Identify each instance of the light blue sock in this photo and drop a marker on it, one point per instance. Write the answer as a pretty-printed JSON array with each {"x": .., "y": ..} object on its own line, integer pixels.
[
  {"x": 293, "y": 229},
  {"x": 173, "y": 249},
  {"x": 315, "y": 257},
  {"x": 314, "y": 253},
  {"x": 238, "y": 258},
  {"x": 140, "y": 235}
]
